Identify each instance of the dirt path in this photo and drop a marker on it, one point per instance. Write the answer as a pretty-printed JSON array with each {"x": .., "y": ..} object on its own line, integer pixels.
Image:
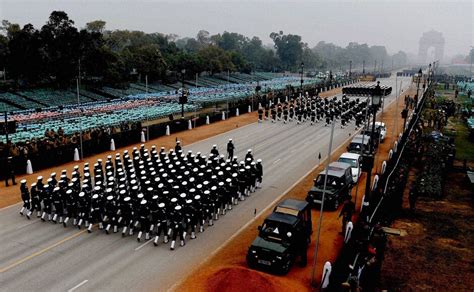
[
  {"x": 226, "y": 270},
  {"x": 438, "y": 238}
]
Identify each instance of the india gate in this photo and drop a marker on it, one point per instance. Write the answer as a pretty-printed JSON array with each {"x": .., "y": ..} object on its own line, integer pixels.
[{"x": 430, "y": 39}]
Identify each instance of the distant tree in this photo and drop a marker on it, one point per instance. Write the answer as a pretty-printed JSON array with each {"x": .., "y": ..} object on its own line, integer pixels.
[
  {"x": 203, "y": 37},
  {"x": 4, "y": 52},
  {"x": 215, "y": 59},
  {"x": 192, "y": 45},
  {"x": 95, "y": 26},
  {"x": 9, "y": 28},
  {"x": 26, "y": 59},
  {"x": 61, "y": 45},
  {"x": 146, "y": 60},
  {"x": 191, "y": 62},
  {"x": 289, "y": 48}
]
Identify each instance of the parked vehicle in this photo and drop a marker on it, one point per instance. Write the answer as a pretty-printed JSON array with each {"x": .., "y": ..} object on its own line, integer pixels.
[
  {"x": 360, "y": 143},
  {"x": 285, "y": 234},
  {"x": 355, "y": 160},
  {"x": 338, "y": 186}
]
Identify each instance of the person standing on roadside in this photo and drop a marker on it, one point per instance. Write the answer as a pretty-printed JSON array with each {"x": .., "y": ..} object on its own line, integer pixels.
[{"x": 346, "y": 213}]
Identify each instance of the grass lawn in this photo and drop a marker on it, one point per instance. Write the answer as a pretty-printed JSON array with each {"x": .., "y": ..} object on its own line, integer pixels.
[{"x": 464, "y": 144}]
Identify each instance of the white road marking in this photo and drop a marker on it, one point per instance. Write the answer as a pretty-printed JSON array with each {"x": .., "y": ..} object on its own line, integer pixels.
[
  {"x": 7, "y": 207},
  {"x": 138, "y": 248},
  {"x": 276, "y": 161},
  {"x": 27, "y": 224},
  {"x": 77, "y": 286}
]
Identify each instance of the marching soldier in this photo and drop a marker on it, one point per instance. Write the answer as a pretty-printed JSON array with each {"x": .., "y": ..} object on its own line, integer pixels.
[
  {"x": 46, "y": 202},
  {"x": 162, "y": 224},
  {"x": 110, "y": 212},
  {"x": 214, "y": 150},
  {"x": 143, "y": 221},
  {"x": 35, "y": 200},
  {"x": 126, "y": 213},
  {"x": 178, "y": 147},
  {"x": 70, "y": 204},
  {"x": 25, "y": 196},
  {"x": 259, "y": 171},
  {"x": 176, "y": 226}
]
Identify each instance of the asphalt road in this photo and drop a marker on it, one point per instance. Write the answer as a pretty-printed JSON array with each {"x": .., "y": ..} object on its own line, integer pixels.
[{"x": 46, "y": 257}]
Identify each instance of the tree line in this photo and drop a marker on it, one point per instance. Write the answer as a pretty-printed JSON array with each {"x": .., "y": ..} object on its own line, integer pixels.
[{"x": 58, "y": 52}]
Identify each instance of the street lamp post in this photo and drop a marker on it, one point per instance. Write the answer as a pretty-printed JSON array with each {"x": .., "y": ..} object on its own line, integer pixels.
[
  {"x": 420, "y": 73},
  {"x": 301, "y": 81},
  {"x": 429, "y": 73},
  {"x": 182, "y": 93},
  {"x": 376, "y": 101}
]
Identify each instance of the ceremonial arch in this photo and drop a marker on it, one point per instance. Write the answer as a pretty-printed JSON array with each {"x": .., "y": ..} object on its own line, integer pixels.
[{"x": 431, "y": 39}]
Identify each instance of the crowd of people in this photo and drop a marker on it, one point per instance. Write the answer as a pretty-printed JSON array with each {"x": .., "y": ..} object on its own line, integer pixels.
[
  {"x": 314, "y": 109},
  {"x": 57, "y": 147},
  {"x": 158, "y": 194}
]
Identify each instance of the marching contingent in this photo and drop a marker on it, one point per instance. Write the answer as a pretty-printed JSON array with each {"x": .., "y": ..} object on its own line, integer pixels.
[
  {"x": 314, "y": 109},
  {"x": 154, "y": 193}
]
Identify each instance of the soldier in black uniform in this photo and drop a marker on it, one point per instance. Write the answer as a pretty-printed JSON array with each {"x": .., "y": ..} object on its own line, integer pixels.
[
  {"x": 260, "y": 114},
  {"x": 25, "y": 196},
  {"x": 82, "y": 209},
  {"x": 46, "y": 202},
  {"x": 70, "y": 205},
  {"x": 162, "y": 223},
  {"x": 126, "y": 213},
  {"x": 9, "y": 171},
  {"x": 110, "y": 212},
  {"x": 230, "y": 149},
  {"x": 176, "y": 226},
  {"x": 95, "y": 211},
  {"x": 214, "y": 150},
  {"x": 285, "y": 114},
  {"x": 208, "y": 207},
  {"x": 143, "y": 220},
  {"x": 190, "y": 222},
  {"x": 178, "y": 147},
  {"x": 274, "y": 114},
  {"x": 35, "y": 200},
  {"x": 259, "y": 171}
]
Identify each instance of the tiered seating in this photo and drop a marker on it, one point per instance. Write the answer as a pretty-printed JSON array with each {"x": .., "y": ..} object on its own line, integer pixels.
[
  {"x": 92, "y": 95},
  {"x": 20, "y": 100},
  {"x": 93, "y": 116},
  {"x": 117, "y": 93},
  {"x": 5, "y": 107},
  {"x": 54, "y": 97}
]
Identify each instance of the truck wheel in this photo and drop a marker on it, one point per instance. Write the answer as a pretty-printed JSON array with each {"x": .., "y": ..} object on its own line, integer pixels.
[{"x": 286, "y": 267}]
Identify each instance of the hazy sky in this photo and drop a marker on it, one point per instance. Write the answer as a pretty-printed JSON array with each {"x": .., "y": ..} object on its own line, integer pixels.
[{"x": 396, "y": 24}]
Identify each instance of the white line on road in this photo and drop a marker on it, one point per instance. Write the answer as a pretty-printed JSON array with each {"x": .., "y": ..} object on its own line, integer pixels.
[
  {"x": 27, "y": 224},
  {"x": 8, "y": 207},
  {"x": 77, "y": 286},
  {"x": 276, "y": 161},
  {"x": 138, "y": 248}
]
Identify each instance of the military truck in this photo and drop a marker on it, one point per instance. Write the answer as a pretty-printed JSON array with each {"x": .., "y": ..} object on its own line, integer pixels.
[
  {"x": 284, "y": 235},
  {"x": 338, "y": 186}
]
